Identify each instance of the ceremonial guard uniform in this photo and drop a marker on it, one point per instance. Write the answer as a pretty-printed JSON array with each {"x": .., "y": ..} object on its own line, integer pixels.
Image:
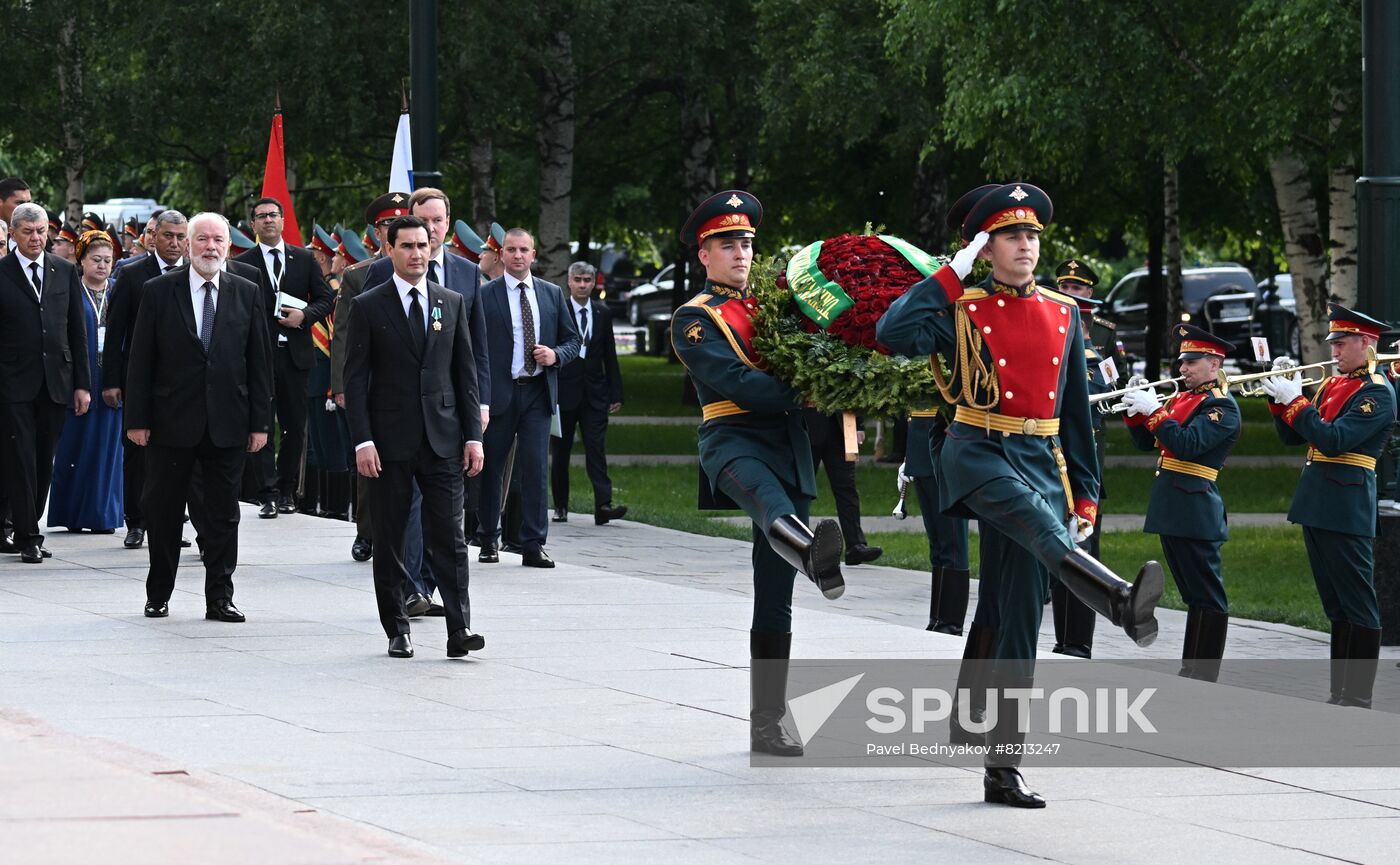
[
  {"x": 754, "y": 455},
  {"x": 1345, "y": 425},
  {"x": 1073, "y": 620},
  {"x": 1019, "y": 456},
  {"x": 1194, "y": 431},
  {"x": 947, "y": 535}
]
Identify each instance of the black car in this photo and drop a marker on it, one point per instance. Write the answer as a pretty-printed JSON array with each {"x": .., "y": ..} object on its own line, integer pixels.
[{"x": 1220, "y": 298}]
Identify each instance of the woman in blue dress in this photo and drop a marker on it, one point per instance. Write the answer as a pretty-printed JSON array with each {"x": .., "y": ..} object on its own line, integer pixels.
[{"x": 87, "y": 470}]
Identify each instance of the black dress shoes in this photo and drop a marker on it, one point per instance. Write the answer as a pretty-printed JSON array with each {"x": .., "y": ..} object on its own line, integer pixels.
[
  {"x": 32, "y": 554},
  {"x": 463, "y": 641},
  {"x": 157, "y": 611},
  {"x": 561, "y": 515},
  {"x": 268, "y": 511},
  {"x": 536, "y": 559},
  {"x": 134, "y": 539},
  {"x": 185, "y": 543},
  {"x": 362, "y": 549},
  {"x": 286, "y": 505},
  {"x": 7, "y": 545},
  {"x": 1005, "y": 786},
  {"x": 603, "y": 513},
  {"x": 401, "y": 647},
  {"x": 44, "y": 551},
  {"x": 435, "y": 610},
  {"x": 488, "y": 555},
  {"x": 862, "y": 554},
  {"x": 416, "y": 604},
  {"x": 223, "y": 611}
]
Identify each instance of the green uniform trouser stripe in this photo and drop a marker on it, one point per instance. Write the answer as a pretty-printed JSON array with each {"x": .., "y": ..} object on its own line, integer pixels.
[
  {"x": 1023, "y": 539},
  {"x": 754, "y": 487},
  {"x": 947, "y": 536},
  {"x": 1343, "y": 569},
  {"x": 1195, "y": 566}
]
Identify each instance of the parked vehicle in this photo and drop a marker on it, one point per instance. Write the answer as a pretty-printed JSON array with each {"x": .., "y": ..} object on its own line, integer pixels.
[
  {"x": 1229, "y": 289},
  {"x": 118, "y": 210},
  {"x": 618, "y": 274},
  {"x": 1276, "y": 318},
  {"x": 651, "y": 297}
]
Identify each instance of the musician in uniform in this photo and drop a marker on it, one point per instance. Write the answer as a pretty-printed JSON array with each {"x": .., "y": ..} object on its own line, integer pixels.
[
  {"x": 1019, "y": 455},
  {"x": 1194, "y": 431},
  {"x": 1074, "y": 621},
  {"x": 754, "y": 451},
  {"x": 1345, "y": 426}
]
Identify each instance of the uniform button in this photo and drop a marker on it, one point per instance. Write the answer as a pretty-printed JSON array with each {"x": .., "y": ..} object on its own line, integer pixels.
[
  {"x": 1064, "y": 311},
  {"x": 1055, "y": 361},
  {"x": 972, "y": 307},
  {"x": 1001, "y": 362},
  {"x": 1156, "y": 474},
  {"x": 1001, "y": 302},
  {"x": 1052, "y": 394},
  {"x": 987, "y": 329},
  {"x": 1062, "y": 328},
  {"x": 1009, "y": 394}
]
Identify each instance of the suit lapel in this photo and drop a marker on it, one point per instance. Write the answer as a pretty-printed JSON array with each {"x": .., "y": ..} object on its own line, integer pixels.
[
  {"x": 20, "y": 276},
  {"x": 398, "y": 318},
  {"x": 185, "y": 303}
]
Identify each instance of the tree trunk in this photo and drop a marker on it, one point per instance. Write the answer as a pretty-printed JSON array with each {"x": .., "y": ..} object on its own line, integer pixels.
[
  {"x": 1171, "y": 226},
  {"x": 1303, "y": 247},
  {"x": 481, "y": 157},
  {"x": 698, "y": 171},
  {"x": 216, "y": 180},
  {"x": 70, "y": 89},
  {"x": 557, "y": 81},
  {"x": 1341, "y": 214},
  {"x": 743, "y": 175},
  {"x": 1156, "y": 285},
  {"x": 931, "y": 203}
]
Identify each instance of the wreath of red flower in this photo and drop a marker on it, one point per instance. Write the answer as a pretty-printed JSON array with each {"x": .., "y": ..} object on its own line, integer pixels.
[{"x": 873, "y": 274}]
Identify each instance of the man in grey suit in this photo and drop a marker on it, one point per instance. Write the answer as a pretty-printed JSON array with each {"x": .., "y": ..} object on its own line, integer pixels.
[{"x": 532, "y": 335}]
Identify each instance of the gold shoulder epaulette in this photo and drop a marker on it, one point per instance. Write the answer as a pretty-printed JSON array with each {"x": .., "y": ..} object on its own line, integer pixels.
[
  {"x": 698, "y": 300},
  {"x": 1055, "y": 295},
  {"x": 1377, "y": 378},
  {"x": 972, "y": 294},
  {"x": 1217, "y": 393}
]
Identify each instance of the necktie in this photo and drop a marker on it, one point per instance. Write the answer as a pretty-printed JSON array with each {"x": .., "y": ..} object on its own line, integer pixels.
[
  {"x": 276, "y": 267},
  {"x": 166, "y": 268},
  {"x": 527, "y": 325},
  {"x": 415, "y": 321},
  {"x": 206, "y": 321},
  {"x": 38, "y": 285},
  {"x": 583, "y": 324},
  {"x": 433, "y": 273}
]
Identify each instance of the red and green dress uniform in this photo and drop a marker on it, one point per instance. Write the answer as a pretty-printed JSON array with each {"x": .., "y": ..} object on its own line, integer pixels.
[
  {"x": 1000, "y": 466},
  {"x": 753, "y": 444},
  {"x": 947, "y": 535}
]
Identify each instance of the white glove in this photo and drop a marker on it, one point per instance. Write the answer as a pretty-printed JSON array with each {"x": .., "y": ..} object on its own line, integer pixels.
[
  {"x": 964, "y": 258},
  {"x": 1080, "y": 529},
  {"x": 1142, "y": 402},
  {"x": 901, "y": 480},
  {"x": 1284, "y": 362},
  {"x": 1281, "y": 389},
  {"x": 330, "y": 405}
]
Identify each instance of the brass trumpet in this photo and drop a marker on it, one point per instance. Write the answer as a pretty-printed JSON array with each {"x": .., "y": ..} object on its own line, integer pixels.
[
  {"x": 1247, "y": 382},
  {"x": 1105, "y": 402}
]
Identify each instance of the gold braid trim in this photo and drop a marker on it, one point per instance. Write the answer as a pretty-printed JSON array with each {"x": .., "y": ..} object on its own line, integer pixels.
[{"x": 976, "y": 375}]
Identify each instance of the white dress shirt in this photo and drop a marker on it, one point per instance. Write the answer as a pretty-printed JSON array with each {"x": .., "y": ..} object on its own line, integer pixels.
[
  {"x": 587, "y": 311},
  {"x": 267, "y": 262},
  {"x": 441, "y": 262},
  {"x": 197, "y": 297},
  {"x": 160, "y": 263},
  {"x": 517, "y": 355},
  {"x": 24, "y": 265}
]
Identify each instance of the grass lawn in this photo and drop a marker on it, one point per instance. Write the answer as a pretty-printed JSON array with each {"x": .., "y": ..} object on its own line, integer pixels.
[
  {"x": 1266, "y": 569},
  {"x": 652, "y": 386}
]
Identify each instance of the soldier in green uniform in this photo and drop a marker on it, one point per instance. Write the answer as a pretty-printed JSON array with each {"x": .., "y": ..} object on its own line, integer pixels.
[
  {"x": 1195, "y": 431},
  {"x": 1345, "y": 426},
  {"x": 1019, "y": 455},
  {"x": 754, "y": 451},
  {"x": 1074, "y": 621}
]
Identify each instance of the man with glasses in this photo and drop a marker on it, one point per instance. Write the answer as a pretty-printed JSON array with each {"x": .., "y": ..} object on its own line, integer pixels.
[{"x": 292, "y": 272}]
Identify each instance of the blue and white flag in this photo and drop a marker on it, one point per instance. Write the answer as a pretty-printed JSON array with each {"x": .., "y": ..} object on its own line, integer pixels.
[{"x": 401, "y": 168}]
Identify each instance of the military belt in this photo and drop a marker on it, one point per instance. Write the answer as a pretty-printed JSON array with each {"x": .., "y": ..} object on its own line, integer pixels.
[
  {"x": 722, "y": 408},
  {"x": 1007, "y": 424},
  {"x": 924, "y": 413},
  {"x": 1182, "y": 467},
  {"x": 1346, "y": 459}
]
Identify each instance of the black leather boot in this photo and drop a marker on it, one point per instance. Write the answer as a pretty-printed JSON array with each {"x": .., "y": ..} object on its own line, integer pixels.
[
  {"x": 768, "y": 695},
  {"x": 815, "y": 553},
  {"x": 947, "y": 606},
  {"x": 1129, "y": 606},
  {"x": 972, "y": 678},
  {"x": 1074, "y": 623},
  {"x": 1363, "y": 651},
  {"x": 1002, "y": 784},
  {"x": 1341, "y": 631},
  {"x": 1205, "y": 643}
]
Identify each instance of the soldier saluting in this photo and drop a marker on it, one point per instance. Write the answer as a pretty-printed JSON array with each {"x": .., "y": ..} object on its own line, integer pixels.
[
  {"x": 754, "y": 451},
  {"x": 1345, "y": 426},
  {"x": 1019, "y": 455},
  {"x": 1195, "y": 432}
]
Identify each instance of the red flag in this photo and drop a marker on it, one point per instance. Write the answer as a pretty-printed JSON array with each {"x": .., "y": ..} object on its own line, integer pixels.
[{"x": 275, "y": 180}]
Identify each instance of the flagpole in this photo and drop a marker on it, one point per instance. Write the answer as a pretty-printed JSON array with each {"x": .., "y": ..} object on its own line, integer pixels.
[{"x": 422, "y": 64}]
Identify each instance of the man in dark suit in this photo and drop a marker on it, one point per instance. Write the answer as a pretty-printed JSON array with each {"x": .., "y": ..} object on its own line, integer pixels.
[
  {"x": 590, "y": 389},
  {"x": 461, "y": 276},
  {"x": 524, "y": 391},
  {"x": 411, "y": 394},
  {"x": 292, "y": 271},
  {"x": 379, "y": 214},
  {"x": 43, "y": 369},
  {"x": 167, "y": 253},
  {"x": 199, "y": 393}
]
